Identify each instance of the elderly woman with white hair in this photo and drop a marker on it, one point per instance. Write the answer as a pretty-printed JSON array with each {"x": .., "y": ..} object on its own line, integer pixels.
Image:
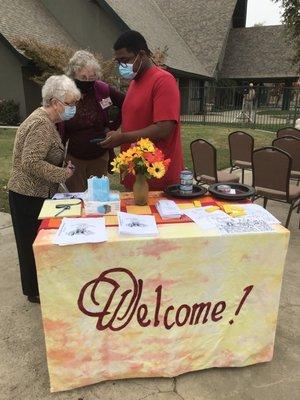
[
  {"x": 91, "y": 122},
  {"x": 37, "y": 170}
]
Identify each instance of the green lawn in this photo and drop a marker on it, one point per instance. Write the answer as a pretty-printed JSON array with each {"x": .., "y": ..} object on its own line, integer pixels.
[
  {"x": 6, "y": 146},
  {"x": 217, "y": 135},
  {"x": 280, "y": 114},
  {"x": 276, "y": 112}
]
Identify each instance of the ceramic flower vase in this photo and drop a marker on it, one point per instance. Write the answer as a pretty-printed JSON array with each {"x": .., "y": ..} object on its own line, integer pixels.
[{"x": 140, "y": 190}]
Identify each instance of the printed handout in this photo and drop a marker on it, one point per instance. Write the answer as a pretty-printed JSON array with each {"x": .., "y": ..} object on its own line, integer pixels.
[
  {"x": 257, "y": 219},
  {"x": 139, "y": 225},
  {"x": 80, "y": 230}
]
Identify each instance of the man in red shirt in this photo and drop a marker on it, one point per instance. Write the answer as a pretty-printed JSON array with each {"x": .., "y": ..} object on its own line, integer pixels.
[{"x": 151, "y": 108}]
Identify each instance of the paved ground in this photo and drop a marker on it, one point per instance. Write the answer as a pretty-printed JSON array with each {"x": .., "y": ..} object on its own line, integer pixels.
[{"x": 23, "y": 370}]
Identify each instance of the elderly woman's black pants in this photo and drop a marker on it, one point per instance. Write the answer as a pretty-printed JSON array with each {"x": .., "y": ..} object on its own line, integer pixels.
[{"x": 24, "y": 214}]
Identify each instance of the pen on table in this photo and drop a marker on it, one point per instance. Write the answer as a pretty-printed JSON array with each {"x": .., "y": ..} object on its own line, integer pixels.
[{"x": 63, "y": 208}]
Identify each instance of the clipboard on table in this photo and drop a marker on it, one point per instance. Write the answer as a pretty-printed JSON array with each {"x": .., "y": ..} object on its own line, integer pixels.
[{"x": 61, "y": 208}]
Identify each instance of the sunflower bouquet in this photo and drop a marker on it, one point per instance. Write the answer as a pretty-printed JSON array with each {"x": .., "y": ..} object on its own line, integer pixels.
[{"x": 142, "y": 158}]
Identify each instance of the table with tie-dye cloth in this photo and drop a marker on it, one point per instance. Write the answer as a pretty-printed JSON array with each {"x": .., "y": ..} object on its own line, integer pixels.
[{"x": 186, "y": 300}]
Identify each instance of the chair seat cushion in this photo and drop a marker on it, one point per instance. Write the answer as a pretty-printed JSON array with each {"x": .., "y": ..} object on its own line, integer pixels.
[
  {"x": 277, "y": 194},
  {"x": 227, "y": 177},
  {"x": 222, "y": 177},
  {"x": 207, "y": 179},
  {"x": 295, "y": 174},
  {"x": 270, "y": 193},
  {"x": 294, "y": 192},
  {"x": 242, "y": 164}
]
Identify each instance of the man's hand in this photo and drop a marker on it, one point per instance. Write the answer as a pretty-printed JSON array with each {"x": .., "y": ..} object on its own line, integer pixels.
[{"x": 113, "y": 139}]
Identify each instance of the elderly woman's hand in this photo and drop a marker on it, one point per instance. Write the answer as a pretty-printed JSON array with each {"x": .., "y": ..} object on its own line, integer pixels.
[{"x": 70, "y": 169}]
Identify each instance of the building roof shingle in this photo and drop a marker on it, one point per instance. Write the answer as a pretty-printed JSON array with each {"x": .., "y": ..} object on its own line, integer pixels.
[
  {"x": 203, "y": 24},
  {"x": 30, "y": 19},
  {"x": 195, "y": 32},
  {"x": 258, "y": 52},
  {"x": 148, "y": 18}
]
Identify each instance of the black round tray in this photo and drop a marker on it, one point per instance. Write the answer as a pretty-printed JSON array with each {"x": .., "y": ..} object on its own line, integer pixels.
[
  {"x": 242, "y": 191},
  {"x": 174, "y": 191}
]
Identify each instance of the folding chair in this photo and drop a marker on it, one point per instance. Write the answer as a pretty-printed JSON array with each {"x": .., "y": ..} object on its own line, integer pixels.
[
  {"x": 288, "y": 131},
  {"x": 271, "y": 178},
  {"x": 241, "y": 146},
  {"x": 204, "y": 157},
  {"x": 291, "y": 145}
]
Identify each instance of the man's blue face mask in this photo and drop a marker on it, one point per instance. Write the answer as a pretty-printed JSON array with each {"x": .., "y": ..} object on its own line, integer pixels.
[{"x": 126, "y": 70}]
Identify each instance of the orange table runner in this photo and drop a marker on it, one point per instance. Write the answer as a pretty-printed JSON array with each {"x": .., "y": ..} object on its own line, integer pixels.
[{"x": 127, "y": 205}]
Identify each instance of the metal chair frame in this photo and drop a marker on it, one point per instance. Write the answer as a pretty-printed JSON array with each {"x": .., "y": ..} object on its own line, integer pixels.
[
  {"x": 293, "y": 203},
  {"x": 199, "y": 182},
  {"x": 274, "y": 145},
  {"x": 297, "y": 131},
  {"x": 234, "y": 167}
]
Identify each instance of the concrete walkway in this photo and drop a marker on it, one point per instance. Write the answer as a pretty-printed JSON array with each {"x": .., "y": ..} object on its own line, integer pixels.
[
  {"x": 9, "y": 126},
  {"x": 23, "y": 366}
]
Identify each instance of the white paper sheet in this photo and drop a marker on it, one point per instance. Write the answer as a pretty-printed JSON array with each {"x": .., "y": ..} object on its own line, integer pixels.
[
  {"x": 168, "y": 209},
  {"x": 257, "y": 211},
  {"x": 80, "y": 230},
  {"x": 206, "y": 220},
  {"x": 256, "y": 220},
  {"x": 242, "y": 225},
  {"x": 139, "y": 225},
  {"x": 70, "y": 195}
]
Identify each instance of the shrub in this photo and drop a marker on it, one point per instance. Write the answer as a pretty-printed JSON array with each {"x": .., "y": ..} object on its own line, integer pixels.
[
  {"x": 52, "y": 59},
  {"x": 9, "y": 112}
]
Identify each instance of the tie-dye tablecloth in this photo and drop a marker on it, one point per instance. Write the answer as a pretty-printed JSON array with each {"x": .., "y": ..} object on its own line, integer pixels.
[{"x": 146, "y": 307}]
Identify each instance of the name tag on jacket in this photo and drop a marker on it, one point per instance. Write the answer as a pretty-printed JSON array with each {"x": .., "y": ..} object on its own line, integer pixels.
[{"x": 105, "y": 102}]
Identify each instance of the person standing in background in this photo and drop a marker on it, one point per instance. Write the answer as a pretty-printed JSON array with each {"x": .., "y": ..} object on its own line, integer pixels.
[{"x": 248, "y": 102}]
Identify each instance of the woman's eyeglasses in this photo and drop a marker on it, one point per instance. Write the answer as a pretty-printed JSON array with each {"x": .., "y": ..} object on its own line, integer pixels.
[
  {"x": 124, "y": 65},
  {"x": 71, "y": 104}
]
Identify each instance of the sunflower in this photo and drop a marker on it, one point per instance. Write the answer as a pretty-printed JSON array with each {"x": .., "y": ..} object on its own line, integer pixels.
[
  {"x": 146, "y": 145},
  {"x": 116, "y": 165},
  {"x": 125, "y": 157},
  {"x": 157, "y": 170}
]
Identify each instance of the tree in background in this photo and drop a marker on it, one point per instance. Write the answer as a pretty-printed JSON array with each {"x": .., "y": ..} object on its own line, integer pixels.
[
  {"x": 291, "y": 21},
  {"x": 52, "y": 59}
]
